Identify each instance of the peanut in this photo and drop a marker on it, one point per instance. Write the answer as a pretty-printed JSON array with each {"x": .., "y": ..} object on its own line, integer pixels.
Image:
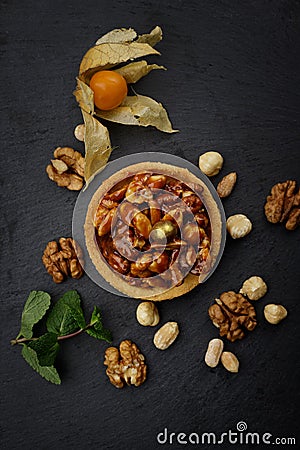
[
  {"x": 166, "y": 335},
  {"x": 230, "y": 362},
  {"x": 213, "y": 352}
]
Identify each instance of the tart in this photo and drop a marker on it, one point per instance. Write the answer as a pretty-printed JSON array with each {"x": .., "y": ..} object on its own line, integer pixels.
[{"x": 153, "y": 230}]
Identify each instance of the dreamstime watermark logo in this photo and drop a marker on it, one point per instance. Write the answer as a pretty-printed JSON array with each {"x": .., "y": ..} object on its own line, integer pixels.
[{"x": 239, "y": 436}]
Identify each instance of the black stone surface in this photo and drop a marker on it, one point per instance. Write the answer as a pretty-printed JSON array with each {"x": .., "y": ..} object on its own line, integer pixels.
[{"x": 232, "y": 86}]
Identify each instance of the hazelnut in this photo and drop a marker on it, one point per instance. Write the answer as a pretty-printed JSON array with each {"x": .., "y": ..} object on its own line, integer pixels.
[
  {"x": 275, "y": 313},
  {"x": 238, "y": 226},
  {"x": 210, "y": 163},
  {"x": 147, "y": 314},
  {"x": 163, "y": 230},
  {"x": 79, "y": 132},
  {"x": 254, "y": 288}
]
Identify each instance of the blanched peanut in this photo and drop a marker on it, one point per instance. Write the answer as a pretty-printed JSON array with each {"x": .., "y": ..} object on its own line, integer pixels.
[
  {"x": 230, "y": 362},
  {"x": 166, "y": 335},
  {"x": 213, "y": 352}
]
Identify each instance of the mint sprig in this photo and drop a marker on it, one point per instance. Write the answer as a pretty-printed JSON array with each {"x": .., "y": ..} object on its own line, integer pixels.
[
  {"x": 65, "y": 320},
  {"x": 34, "y": 310}
]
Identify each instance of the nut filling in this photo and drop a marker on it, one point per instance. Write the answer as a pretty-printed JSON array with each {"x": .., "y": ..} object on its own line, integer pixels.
[{"x": 153, "y": 230}]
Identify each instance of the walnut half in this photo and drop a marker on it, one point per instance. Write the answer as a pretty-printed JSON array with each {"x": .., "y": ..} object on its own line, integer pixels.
[
  {"x": 233, "y": 314},
  {"x": 67, "y": 169},
  {"x": 60, "y": 260},
  {"x": 283, "y": 205},
  {"x": 125, "y": 365}
]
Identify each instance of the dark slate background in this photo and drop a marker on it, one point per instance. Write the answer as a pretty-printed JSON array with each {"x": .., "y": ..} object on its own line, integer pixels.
[{"x": 232, "y": 86}]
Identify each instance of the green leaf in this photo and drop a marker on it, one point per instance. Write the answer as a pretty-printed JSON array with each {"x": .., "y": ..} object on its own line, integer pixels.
[
  {"x": 35, "y": 308},
  {"x": 96, "y": 316},
  {"x": 46, "y": 348},
  {"x": 102, "y": 335},
  {"x": 97, "y": 330},
  {"x": 47, "y": 372},
  {"x": 66, "y": 316}
]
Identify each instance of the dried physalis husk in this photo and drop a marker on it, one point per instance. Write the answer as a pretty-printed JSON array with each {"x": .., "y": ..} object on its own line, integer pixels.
[
  {"x": 97, "y": 146},
  {"x": 107, "y": 55},
  {"x": 139, "y": 110},
  {"x": 134, "y": 71},
  {"x": 114, "y": 48}
]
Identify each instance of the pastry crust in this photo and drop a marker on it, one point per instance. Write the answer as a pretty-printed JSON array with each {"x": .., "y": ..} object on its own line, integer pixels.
[{"x": 109, "y": 274}]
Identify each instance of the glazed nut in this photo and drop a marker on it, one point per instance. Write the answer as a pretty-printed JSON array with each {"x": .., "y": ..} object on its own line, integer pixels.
[
  {"x": 147, "y": 314},
  {"x": 213, "y": 352},
  {"x": 210, "y": 163},
  {"x": 275, "y": 313},
  {"x": 166, "y": 335},
  {"x": 254, "y": 288},
  {"x": 230, "y": 362},
  {"x": 226, "y": 185},
  {"x": 79, "y": 132},
  {"x": 238, "y": 226}
]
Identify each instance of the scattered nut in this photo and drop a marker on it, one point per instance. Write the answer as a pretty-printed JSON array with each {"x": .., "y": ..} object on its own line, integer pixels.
[
  {"x": 254, "y": 288},
  {"x": 283, "y": 205},
  {"x": 166, "y": 335},
  {"x": 79, "y": 132},
  {"x": 67, "y": 169},
  {"x": 238, "y": 226},
  {"x": 211, "y": 163},
  {"x": 226, "y": 185},
  {"x": 213, "y": 352},
  {"x": 233, "y": 314},
  {"x": 147, "y": 314},
  {"x": 125, "y": 364},
  {"x": 60, "y": 259},
  {"x": 275, "y": 313},
  {"x": 230, "y": 362}
]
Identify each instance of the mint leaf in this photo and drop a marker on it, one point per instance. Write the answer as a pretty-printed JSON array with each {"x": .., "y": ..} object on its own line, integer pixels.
[
  {"x": 97, "y": 329},
  {"x": 35, "y": 308},
  {"x": 66, "y": 316},
  {"x": 47, "y": 372},
  {"x": 102, "y": 335},
  {"x": 46, "y": 348}
]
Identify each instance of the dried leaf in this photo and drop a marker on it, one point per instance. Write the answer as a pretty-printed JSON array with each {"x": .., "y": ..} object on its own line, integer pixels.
[
  {"x": 97, "y": 146},
  {"x": 133, "y": 72},
  {"x": 118, "y": 35},
  {"x": 152, "y": 38},
  {"x": 84, "y": 96},
  {"x": 121, "y": 35},
  {"x": 105, "y": 56},
  {"x": 139, "y": 110}
]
